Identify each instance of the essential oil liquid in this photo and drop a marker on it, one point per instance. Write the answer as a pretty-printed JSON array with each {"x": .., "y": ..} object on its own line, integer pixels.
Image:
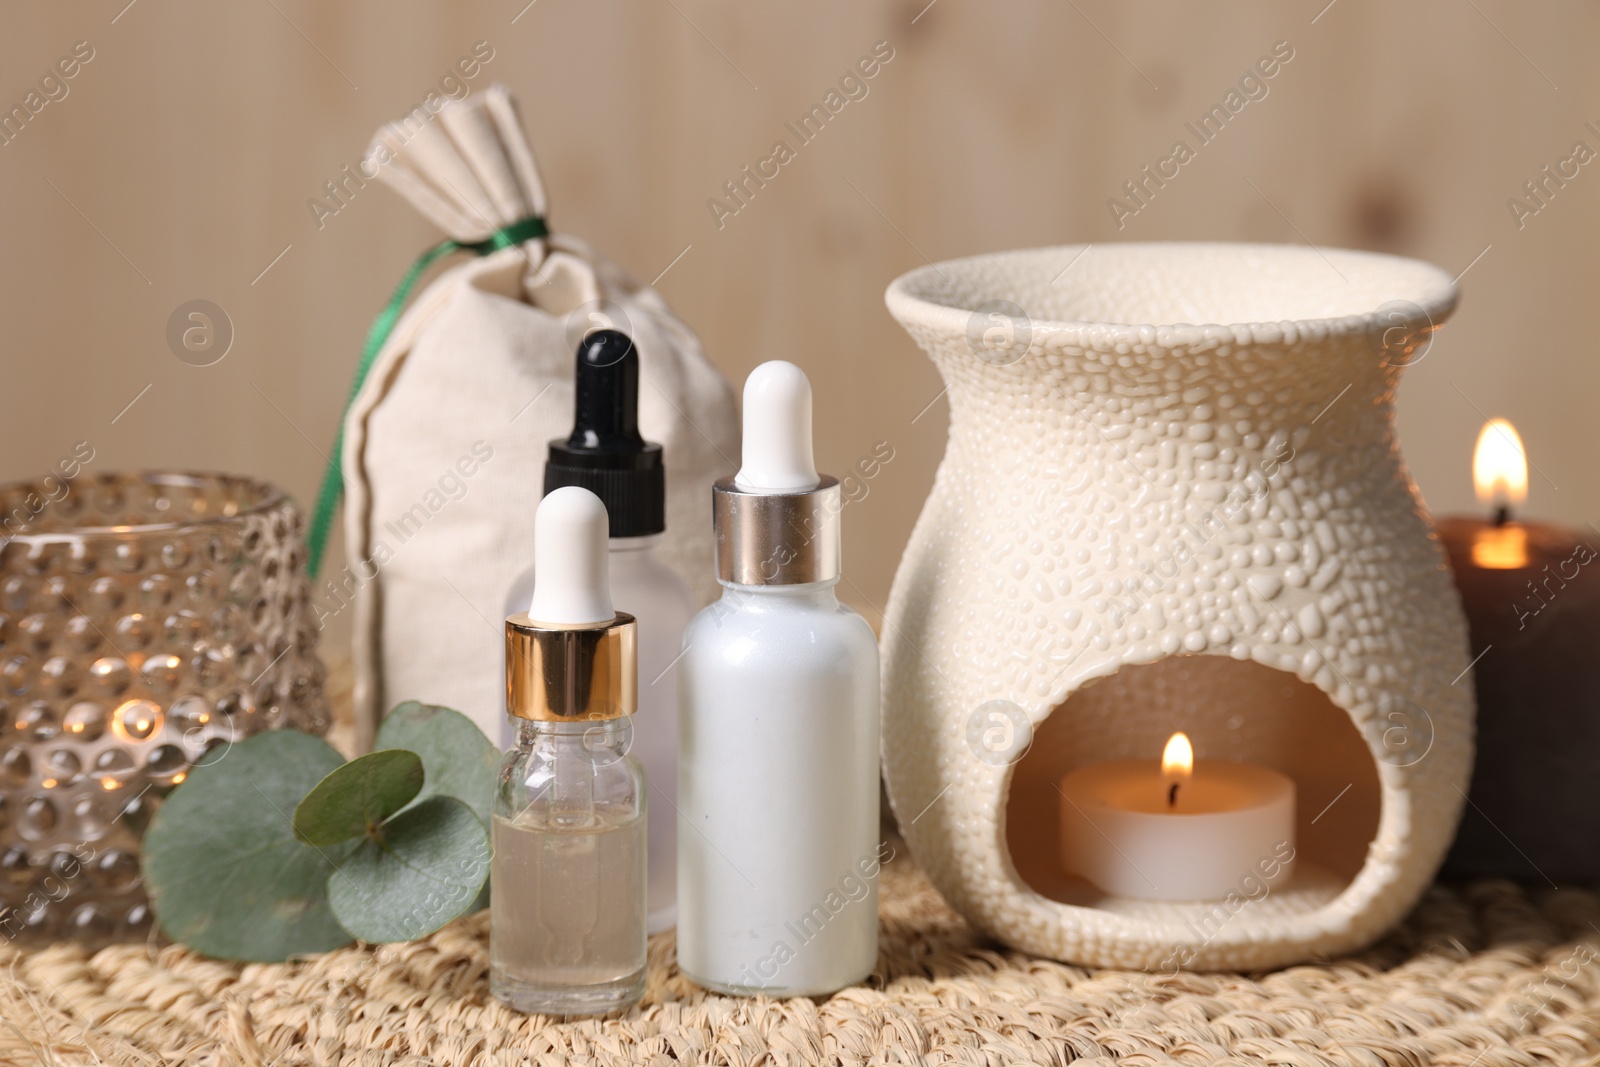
[{"x": 567, "y": 931}]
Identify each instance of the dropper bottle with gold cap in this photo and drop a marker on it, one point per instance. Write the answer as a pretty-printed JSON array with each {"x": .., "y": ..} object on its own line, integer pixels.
[{"x": 567, "y": 904}]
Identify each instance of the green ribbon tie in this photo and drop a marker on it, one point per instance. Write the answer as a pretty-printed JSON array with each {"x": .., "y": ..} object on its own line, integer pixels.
[{"x": 333, "y": 478}]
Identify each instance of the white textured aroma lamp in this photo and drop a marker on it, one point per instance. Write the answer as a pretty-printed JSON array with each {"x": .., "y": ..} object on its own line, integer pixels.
[{"x": 1138, "y": 529}]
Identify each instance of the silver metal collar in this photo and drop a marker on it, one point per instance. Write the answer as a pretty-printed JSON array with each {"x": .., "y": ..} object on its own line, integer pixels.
[{"x": 777, "y": 538}]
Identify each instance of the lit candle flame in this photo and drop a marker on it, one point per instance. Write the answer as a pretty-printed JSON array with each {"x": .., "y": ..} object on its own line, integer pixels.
[
  {"x": 1499, "y": 465},
  {"x": 1177, "y": 764},
  {"x": 1177, "y": 759},
  {"x": 1500, "y": 477}
]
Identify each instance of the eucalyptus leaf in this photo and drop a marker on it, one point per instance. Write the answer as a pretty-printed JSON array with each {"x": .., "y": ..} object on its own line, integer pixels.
[
  {"x": 355, "y": 799},
  {"x": 224, "y": 870},
  {"x": 423, "y": 869},
  {"x": 461, "y": 762}
]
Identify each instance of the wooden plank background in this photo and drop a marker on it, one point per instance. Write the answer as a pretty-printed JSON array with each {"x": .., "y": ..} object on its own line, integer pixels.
[{"x": 180, "y": 161}]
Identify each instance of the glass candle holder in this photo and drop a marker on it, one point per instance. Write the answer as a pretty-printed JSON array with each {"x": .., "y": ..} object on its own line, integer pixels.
[{"x": 145, "y": 618}]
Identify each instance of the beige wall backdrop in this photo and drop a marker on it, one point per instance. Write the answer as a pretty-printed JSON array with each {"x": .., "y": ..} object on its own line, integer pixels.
[{"x": 179, "y": 164}]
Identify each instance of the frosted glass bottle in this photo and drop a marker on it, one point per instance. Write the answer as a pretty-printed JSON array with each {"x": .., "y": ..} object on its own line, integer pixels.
[
  {"x": 778, "y": 739},
  {"x": 779, "y": 782},
  {"x": 646, "y": 588},
  {"x": 606, "y": 454}
]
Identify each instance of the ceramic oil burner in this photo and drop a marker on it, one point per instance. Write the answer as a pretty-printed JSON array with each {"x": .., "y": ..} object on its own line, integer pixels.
[{"x": 1172, "y": 500}]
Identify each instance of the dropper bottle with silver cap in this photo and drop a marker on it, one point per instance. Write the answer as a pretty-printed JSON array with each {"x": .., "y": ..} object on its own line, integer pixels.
[
  {"x": 778, "y": 716},
  {"x": 567, "y": 903}
]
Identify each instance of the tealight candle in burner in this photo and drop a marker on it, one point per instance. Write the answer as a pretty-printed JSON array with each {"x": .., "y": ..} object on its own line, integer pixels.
[{"x": 1177, "y": 829}]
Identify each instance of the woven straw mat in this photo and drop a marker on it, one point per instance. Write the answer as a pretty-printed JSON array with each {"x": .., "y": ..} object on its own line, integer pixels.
[{"x": 1487, "y": 974}]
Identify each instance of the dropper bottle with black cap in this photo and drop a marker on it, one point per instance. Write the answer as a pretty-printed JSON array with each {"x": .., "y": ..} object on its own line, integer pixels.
[{"x": 607, "y": 455}]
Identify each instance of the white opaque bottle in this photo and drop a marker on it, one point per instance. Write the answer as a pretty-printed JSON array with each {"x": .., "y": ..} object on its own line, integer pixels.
[
  {"x": 607, "y": 455},
  {"x": 778, "y": 767}
]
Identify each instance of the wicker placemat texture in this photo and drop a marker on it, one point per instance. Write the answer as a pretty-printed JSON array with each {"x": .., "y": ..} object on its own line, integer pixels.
[
  {"x": 1485, "y": 975},
  {"x": 1491, "y": 974}
]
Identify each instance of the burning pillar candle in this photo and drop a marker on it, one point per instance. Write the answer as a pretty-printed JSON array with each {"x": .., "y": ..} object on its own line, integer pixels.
[
  {"x": 1175, "y": 829},
  {"x": 1531, "y": 592}
]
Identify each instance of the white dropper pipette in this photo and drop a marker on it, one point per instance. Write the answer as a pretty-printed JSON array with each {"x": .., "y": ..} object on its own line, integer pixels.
[
  {"x": 777, "y": 431},
  {"x": 572, "y": 590},
  {"x": 572, "y": 573}
]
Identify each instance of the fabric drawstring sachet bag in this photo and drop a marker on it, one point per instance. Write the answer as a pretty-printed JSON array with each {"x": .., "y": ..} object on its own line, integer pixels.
[{"x": 442, "y": 449}]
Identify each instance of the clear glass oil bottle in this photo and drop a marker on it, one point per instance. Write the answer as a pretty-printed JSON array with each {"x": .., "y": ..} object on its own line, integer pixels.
[
  {"x": 646, "y": 588},
  {"x": 568, "y": 917},
  {"x": 567, "y": 923}
]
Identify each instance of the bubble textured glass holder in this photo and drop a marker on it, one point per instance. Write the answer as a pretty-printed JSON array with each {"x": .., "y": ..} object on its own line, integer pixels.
[{"x": 145, "y": 618}]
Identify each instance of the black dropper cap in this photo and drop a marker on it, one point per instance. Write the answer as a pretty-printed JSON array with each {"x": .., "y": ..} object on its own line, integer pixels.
[{"x": 605, "y": 453}]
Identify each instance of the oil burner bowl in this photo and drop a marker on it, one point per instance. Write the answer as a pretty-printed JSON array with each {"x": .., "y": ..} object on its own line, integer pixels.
[{"x": 1173, "y": 499}]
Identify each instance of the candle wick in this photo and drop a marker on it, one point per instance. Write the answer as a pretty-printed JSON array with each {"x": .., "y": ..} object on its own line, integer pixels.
[
  {"x": 1172, "y": 796},
  {"x": 1502, "y": 514}
]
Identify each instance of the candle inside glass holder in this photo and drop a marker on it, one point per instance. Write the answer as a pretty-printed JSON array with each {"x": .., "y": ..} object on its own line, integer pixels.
[{"x": 144, "y": 619}]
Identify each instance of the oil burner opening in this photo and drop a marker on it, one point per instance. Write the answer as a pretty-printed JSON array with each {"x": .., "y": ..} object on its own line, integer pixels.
[
  {"x": 1136, "y": 283},
  {"x": 1231, "y": 711}
]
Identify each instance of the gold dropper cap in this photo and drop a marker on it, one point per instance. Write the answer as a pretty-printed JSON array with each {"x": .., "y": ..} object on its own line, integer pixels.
[{"x": 573, "y": 673}]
